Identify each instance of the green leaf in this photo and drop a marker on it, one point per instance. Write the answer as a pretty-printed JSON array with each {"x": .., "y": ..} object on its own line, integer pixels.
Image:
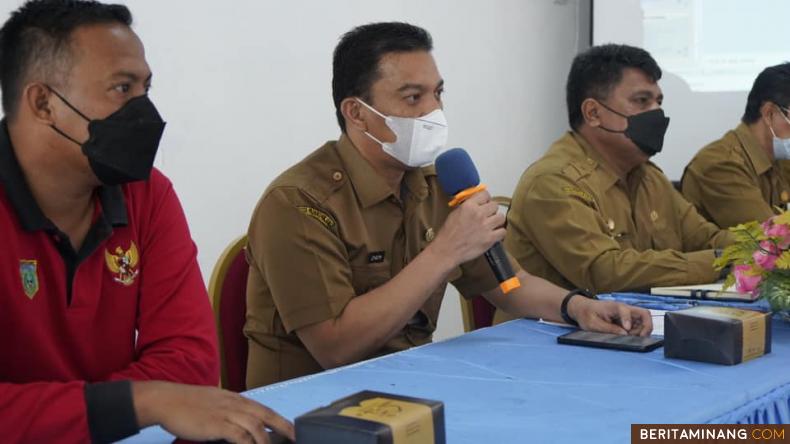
[
  {"x": 730, "y": 281},
  {"x": 755, "y": 270},
  {"x": 776, "y": 289},
  {"x": 750, "y": 232},
  {"x": 736, "y": 254},
  {"x": 783, "y": 218},
  {"x": 784, "y": 261}
]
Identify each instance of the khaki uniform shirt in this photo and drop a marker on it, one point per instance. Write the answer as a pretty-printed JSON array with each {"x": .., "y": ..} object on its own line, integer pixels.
[
  {"x": 325, "y": 231},
  {"x": 733, "y": 180},
  {"x": 576, "y": 224}
]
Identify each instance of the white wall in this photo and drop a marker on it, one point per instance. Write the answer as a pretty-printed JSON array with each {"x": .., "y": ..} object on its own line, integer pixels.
[
  {"x": 697, "y": 118},
  {"x": 245, "y": 88}
]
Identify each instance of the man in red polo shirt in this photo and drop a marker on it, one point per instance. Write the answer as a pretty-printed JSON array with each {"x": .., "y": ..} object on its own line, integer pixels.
[{"x": 99, "y": 283}]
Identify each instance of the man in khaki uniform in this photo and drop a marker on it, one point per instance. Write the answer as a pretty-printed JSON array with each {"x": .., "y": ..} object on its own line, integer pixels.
[
  {"x": 351, "y": 249},
  {"x": 739, "y": 178},
  {"x": 593, "y": 212}
]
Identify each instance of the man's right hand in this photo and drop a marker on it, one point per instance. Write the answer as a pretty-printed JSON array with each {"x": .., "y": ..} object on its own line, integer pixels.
[
  {"x": 199, "y": 413},
  {"x": 470, "y": 230}
]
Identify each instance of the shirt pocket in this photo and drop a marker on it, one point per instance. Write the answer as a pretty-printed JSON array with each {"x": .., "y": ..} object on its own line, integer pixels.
[
  {"x": 666, "y": 237},
  {"x": 368, "y": 277},
  {"x": 624, "y": 239},
  {"x": 618, "y": 230}
]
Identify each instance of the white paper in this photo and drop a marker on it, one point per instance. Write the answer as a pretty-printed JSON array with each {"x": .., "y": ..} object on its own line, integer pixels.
[{"x": 658, "y": 322}]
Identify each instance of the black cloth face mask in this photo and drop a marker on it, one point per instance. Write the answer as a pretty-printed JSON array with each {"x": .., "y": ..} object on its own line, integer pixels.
[
  {"x": 645, "y": 129},
  {"x": 121, "y": 148}
]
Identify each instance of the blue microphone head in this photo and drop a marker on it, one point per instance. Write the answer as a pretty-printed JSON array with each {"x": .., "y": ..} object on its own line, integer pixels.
[{"x": 456, "y": 171}]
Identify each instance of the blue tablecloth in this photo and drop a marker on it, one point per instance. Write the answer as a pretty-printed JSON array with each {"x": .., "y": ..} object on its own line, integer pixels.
[{"x": 513, "y": 383}]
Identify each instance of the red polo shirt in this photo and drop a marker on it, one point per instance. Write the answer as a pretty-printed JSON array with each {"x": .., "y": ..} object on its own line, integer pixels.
[{"x": 129, "y": 305}]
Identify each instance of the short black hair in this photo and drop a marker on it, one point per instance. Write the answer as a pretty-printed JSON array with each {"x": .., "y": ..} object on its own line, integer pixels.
[
  {"x": 771, "y": 85},
  {"x": 595, "y": 72},
  {"x": 35, "y": 41},
  {"x": 356, "y": 59}
]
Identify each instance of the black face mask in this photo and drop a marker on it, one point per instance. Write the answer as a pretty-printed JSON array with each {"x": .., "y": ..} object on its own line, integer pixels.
[
  {"x": 645, "y": 129},
  {"x": 122, "y": 147}
]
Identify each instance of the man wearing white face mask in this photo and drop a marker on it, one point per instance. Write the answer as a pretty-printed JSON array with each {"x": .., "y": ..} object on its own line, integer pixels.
[
  {"x": 418, "y": 141},
  {"x": 745, "y": 175},
  {"x": 350, "y": 250}
]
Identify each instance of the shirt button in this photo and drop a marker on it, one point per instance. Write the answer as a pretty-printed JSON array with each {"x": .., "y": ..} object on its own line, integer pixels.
[{"x": 337, "y": 176}]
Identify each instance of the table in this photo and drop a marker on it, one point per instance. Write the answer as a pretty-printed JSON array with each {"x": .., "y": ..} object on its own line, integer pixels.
[{"x": 513, "y": 383}]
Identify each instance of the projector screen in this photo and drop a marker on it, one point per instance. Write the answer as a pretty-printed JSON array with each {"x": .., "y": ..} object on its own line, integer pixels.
[{"x": 710, "y": 52}]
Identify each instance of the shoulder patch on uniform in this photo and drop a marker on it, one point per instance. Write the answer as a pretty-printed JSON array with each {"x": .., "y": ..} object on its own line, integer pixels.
[
  {"x": 579, "y": 170},
  {"x": 318, "y": 215},
  {"x": 571, "y": 172},
  {"x": 573, "y": 191}
]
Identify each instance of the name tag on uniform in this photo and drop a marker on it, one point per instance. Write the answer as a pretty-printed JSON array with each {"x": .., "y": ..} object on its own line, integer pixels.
[{"x": 376, "y": 257}]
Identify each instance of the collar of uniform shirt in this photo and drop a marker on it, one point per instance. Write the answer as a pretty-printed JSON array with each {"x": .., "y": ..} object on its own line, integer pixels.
[
  {"x": 609, "y": 178},
  {"x": 369, "y": 186},
  {"x": 756, "y": 153}
]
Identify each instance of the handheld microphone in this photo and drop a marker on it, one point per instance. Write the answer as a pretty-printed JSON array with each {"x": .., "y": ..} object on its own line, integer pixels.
[{"x": 458, "y": 177}]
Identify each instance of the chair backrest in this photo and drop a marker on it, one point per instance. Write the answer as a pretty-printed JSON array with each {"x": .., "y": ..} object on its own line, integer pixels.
[
  {"x": 477, "y": 312},
  {"x": 227, "y": 289}
]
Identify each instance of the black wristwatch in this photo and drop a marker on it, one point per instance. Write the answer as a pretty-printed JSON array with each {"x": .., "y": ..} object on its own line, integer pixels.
[{"x": 564, "y": 307}]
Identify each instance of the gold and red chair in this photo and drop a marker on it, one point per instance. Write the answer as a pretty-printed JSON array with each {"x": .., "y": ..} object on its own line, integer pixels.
[{"x": 227, "y": 289}]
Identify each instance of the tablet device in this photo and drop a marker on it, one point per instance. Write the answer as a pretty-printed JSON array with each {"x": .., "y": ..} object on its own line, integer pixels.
[{"x": 612, "y": 341}]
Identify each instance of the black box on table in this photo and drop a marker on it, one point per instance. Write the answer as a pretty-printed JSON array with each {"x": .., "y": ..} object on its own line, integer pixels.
[
  {"x": 721, "y": 335},
  {"x": 374, "y": 418}
]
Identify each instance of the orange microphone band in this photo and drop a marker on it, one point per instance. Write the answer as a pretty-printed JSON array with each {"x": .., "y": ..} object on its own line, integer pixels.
[
  {"x": 510, "y": 285},
  {"x": 466, "y": 194}
]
